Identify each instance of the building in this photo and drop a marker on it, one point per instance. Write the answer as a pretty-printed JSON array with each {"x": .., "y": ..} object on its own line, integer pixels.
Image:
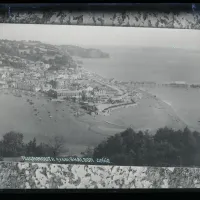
[
  {"x": 3, "y": 85},
  {"x": 39, "y": 64},
  {"x": 63, "y": 76},
  {"x": 61, "y": 83},
  {"x": 120, "y": 98},
  {"x": 5, "y": 75},
  {"x": 24, "y": 86},
  {"x": 68, "y": 93},
  {"x": 99, "y": 92},
  {"x": 178, "y": 84},
  {"x": 50, "y": 76},
  {"x": 43, "y": 49},
  {"x": 110, "y": 91},
  {"x": 24, "y": 51},
  {"x": 89, "y": 89}
]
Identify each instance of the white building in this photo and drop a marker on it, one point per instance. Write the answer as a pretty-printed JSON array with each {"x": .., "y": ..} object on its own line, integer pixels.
[
  {"x": 89, "y": 89},
  {"x": 5, "y": 75},
  {"x": 63, "y": 76},
  {"x": 180, "y": 82},
  {"x": 99, "y": 92}
]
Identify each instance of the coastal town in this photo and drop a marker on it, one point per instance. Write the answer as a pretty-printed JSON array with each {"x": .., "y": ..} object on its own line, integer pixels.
[
  {"x": 37, "y": 69},
  {"x": 47, "y": 90}
]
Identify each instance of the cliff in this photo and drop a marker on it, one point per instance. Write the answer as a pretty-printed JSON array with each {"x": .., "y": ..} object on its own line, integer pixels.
[{"x": 16, "y": 175}]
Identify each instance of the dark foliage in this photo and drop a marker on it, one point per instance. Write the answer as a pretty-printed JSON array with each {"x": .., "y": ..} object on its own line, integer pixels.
[
  {"x": 52, "y": 94},
  {"x": 166, "y": 148},
  {"x": 195, "y": 86},
  {"x": 53, "y": 84},
  {"x": 12, "y": 145}
]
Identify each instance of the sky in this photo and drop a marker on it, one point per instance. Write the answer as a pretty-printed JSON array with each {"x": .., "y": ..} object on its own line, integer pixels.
[{"x": 102, "y": 35}]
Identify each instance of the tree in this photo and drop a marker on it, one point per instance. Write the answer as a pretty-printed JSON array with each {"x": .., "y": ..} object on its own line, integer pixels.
[
  {"x": 1, "y": 148},
  {"x": 56, "y": 144},
  {"x": 31, "y": 51},
  {"x": 83, "y": 96},
  {"x": 53, "y": 84},
  {"x": 166, "y": 148},
  {"x": 37, "y": 50},
  {"x": 31, "y": 148},
  {"x": 52, "y": 93},
  {"x": 88, "y": 152},
  {"x": 43, "y": 150},
  {"x": 13, "y": 144},
  {"x": 109, "y": 100}
]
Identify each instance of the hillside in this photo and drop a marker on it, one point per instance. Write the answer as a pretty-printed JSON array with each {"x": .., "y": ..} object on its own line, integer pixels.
[
  {"x": 18, "y": 53},
  {"x": 14, "y": 53}
]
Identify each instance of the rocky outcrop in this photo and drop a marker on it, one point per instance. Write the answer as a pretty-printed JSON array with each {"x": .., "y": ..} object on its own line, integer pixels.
[
  {"x": 18, "y": 175},
  {"x": 84, "y": 53}
]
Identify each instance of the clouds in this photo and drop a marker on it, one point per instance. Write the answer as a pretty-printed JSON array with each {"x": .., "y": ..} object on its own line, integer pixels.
[{"x": 98, "y": 35}]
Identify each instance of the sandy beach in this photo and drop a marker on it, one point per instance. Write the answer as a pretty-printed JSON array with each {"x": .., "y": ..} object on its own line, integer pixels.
[{"x": 150, "y": 114}]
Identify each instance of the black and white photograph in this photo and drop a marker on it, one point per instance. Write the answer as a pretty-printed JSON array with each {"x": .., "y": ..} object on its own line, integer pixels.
[{"x": 124, "y": 95}]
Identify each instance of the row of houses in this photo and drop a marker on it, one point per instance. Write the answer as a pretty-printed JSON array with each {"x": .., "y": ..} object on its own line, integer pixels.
[
  {"x": 29, "y": 86},
  {"x": 78, "y": 93},
  {"x": 62, "y": 93},
  {"x": 177, "y": 84},
  {"x": 23, "y": 86}
]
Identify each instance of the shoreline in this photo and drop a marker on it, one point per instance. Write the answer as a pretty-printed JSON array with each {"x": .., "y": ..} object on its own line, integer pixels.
[
  {"x": 108, "y": 110},
  {"x": 106, "y": 124},
  {"x": 103, "y": 127}
]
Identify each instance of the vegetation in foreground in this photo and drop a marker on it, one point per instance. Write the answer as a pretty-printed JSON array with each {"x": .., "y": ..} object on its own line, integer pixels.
[
  {"x": 166, "y": 148},
  {"x": 12, "y": 145}
]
